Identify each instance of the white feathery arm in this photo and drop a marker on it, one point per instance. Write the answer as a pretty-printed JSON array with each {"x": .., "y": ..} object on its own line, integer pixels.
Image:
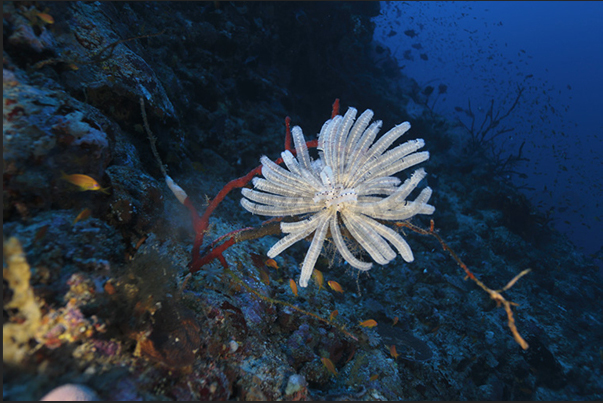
[
  {"x": 385, "y": 182},
  {"x": 294, "y": 237},
  {"x": 276, "y": 200},
  {"x": 378, "y": 163},
  {"x": 365, "y": 242},
  {"x": 410, "y": 184},
  {"x": 393, "y": 201},
  {"x": 291, "y": 162},
  {"x": 327, "y": 177},
  {"x": 384, "y": 248},
  {"x": 312, "y": 179},
  {"x": 378, "y": 189},
  {"x": 275, "y": 173},
  {"x": 271, "y": 211},
  {"x": 369, "y": 200},
  {"x": 361, "y": 124},
  {"x": 300, "y": 146},
  {"x": 325, "y": 137},
  {"x": 343, "y": 249},
  {"x": 393, "y": 237},
  {"x": 387, "y": 140},
  {"x": 297, "y": 226},
  {"x": 402, "y": 212},
  {"x": 357, "y": 157},
  {"x": 400, "y": 165},
  {"x": 339, "y": 146},
  {"x": 273, "y": 187},
  {"x": 424, "y": 196},
  {"x": 427, "y": 209},
  {"x": 313, "y": 252}
]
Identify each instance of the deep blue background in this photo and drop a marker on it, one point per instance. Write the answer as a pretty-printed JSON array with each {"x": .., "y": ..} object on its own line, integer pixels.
[{"x": 482, "y": 50}]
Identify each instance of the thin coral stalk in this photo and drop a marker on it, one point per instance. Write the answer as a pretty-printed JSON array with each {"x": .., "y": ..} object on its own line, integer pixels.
[{"x": 494, "y": 294}]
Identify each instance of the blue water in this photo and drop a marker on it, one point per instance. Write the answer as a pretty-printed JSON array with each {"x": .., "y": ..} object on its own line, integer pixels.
[{"x": 482, "y": 51}]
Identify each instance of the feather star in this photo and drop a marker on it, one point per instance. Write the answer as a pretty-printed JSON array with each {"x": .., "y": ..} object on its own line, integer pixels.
[{"x": 349, "y": 186}]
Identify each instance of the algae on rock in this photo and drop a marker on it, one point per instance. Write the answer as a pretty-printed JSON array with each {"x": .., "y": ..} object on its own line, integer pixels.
[{"x": 16, "y": 273}]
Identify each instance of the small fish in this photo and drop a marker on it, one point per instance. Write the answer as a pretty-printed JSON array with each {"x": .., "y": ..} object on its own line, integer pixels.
[
  {"x": 84, "y": 182},
  {"x": 329, "y": 364},
  {"x": 393, "y": 352},
  {"x": 333, "y": 315},
  {"x": 395, "y": 321},
  {"x": 374, "y": 377},
  {"x": 110, "y": 288},
  {"x": 272, "y": 263},
  {"x": 293, "y": 286},
  {"x": 140, "y": 242},
  {"x": 264, "y": 277},
  {"x": 318, "y": 277},
  {"x": 83, "y": 215},
  {"x": 47, "y": 18},
  {"x": 335, "y": 286},
  {"x": 368, "y": 323}
]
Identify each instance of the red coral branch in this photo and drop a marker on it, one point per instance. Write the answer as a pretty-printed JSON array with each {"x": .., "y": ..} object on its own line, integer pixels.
[
  {"x": 288, "y": 134},
  {"x": 335, "y": 110},
  {"x": 200, "y": 224}
]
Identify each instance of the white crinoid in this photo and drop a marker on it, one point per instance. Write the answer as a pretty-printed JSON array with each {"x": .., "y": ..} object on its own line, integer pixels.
[{"x": 348, "y": 186}]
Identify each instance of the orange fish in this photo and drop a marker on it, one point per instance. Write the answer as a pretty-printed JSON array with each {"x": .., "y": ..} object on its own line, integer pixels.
[
  {"x": 395, "y": 321},
  {"x": 83, "y": 215},
  {"x": 368, "y": 323},
  {"x": 84, "y": 182},
  {"x": 271, "y": 263},
  {"x": 109, "y": 288},
  {"x": 393, "y": 352},
  {"x": 317, "y": 274},
  {"x": 330, "y": 366},
  {"x": 374, "y": 377},
  {"x": 335, "y": 286},
  {"x": 333, "y": 315},
  {"x": 293, "y": 286},
  {"x": 47, "y": 18}
]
